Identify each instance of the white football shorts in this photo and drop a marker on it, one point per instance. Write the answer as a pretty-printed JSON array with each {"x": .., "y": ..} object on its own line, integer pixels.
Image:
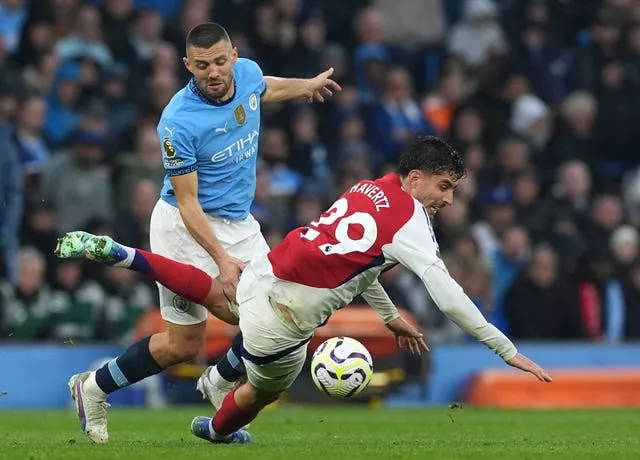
[
  {"x": 273, "y": 350},
  {"x": 169, "y": 237}
]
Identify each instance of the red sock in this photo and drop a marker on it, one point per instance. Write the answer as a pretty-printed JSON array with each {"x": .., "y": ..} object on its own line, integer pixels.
[
  {"x": 230, "y": 417},
  {"x": 183, "y": 279}
]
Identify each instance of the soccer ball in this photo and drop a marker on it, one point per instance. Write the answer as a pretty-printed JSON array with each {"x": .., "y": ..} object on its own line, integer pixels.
[{"x": 341, "y": 367}]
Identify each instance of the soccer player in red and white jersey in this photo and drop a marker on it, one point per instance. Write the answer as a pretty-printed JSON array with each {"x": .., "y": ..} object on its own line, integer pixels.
[{"x": 285, "y": 295}]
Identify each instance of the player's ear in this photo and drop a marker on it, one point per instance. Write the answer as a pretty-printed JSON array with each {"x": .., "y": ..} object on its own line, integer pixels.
[
  {"x": 234, "y": 54},
  {"x": 414, "y": 176},
  {"x": 186, "y": 63}
]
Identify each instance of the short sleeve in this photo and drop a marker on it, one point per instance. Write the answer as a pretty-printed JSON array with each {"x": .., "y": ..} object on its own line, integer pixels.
[
  {"x": 254, "y": 74},
  {"x": 178, "y": 150},
  {"x": 262, "y": 85}
]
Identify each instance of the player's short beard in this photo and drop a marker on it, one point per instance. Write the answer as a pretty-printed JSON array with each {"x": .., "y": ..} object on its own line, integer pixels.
[{"x": 218, "y": 94}]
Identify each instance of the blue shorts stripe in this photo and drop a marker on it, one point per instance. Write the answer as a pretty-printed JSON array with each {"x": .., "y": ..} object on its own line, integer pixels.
[
  {"x": 234, "y": 360},
  {"x": 117, "y": 374},
  {"x": 262, "y": 360}
]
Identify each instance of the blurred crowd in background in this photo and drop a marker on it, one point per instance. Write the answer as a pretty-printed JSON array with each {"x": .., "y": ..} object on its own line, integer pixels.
[{"x": 541, "y": 97}]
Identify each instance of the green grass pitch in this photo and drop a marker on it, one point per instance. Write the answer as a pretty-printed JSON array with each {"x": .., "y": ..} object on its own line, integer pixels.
[{"x": 334, "y": 432}]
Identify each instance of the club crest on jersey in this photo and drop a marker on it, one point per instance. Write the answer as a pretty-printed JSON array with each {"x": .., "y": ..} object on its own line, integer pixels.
[
  {"x": 253, "y": 101},
  {"x": 240, "y": 114},
  {"x": 167, "y": 146}
]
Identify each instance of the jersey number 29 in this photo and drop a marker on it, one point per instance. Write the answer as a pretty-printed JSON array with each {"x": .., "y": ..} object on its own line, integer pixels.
[{"x": 345, "y": 244}]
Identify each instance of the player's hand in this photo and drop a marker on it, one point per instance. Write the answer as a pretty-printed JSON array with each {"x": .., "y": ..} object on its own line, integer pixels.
[
  {"x": 230, "y": 269},
  {"x": 322, "y": 86},
  {"x": 523, "y": 363},
  {"x": 407, "y": 337}
]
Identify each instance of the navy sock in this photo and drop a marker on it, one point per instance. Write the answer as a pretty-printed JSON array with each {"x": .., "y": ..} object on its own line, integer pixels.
[
  {"x": 135, "y": 364},
  {"x": 140, "y": 264},
  {"x": 230, "y": 365}
]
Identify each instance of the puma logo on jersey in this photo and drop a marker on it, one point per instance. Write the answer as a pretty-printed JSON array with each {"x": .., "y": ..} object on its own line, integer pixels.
[
  {"x": 372, "y": 191},
  {"x": 222, "y": 130}
]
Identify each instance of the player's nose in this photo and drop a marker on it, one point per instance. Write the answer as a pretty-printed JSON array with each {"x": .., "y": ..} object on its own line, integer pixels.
[
  {"x": 448, "y": 197},
  {"x": 213, "y": 73}
]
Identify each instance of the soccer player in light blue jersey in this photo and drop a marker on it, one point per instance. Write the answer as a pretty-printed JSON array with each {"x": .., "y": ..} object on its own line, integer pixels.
[{"x": 209, "y": 135}]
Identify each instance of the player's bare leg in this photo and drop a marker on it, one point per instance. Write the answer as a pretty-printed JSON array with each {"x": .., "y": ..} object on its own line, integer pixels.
[
  {"x": 153, "y": 354},
  {"x": 238, "y": 409}
]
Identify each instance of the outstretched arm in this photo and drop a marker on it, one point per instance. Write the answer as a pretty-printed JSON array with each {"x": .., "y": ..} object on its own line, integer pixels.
[
  {"x": 379, "y": 300},
  {"x": 457, "y": 306},
  {"x": 420, "y": 255},
  {"x": 285, "y": 89},
  {"x": 407, "y": 337}
]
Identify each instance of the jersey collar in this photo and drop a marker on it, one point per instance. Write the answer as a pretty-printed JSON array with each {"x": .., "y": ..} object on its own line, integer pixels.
[
  {"x": 394, "y": 179},
  {"x": 195, "y": 90}
]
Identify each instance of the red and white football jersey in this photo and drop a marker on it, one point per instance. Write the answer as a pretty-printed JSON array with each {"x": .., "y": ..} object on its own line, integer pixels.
[{"x": 320, "y": 268}]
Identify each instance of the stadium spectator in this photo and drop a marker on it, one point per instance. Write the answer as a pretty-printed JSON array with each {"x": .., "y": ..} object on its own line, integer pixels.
[
  {"x": 507, "y": 263},
  {"x": 573, "y": 136},
  {"x": 133, "y": 224},
  {"x": 127, "y": 299},
  {"x": 541, "y": 304},
  {"x": 371, "y": 55},
  {"x": 13, "y": 15},
  {"x": 478, "y": 35},
  {"x": 398, "y": 116},
  {"x": 541, "y": 97},
  {"x": 10, "y": 205},
  {"x": 32, "y": 148},
  {"x": 571, "y": 195},
  {"x": 62, "y": 114},
  {"x": 25, "y": 308},
  {"x": 76, "y": 304},
  {"x": 606, "y": 216},
  {"x": 143, "y": 163},
  {"x": 86, "y": 39},
  {"x": 76, "y": 183},
  {"x": 631, "y": 291}
]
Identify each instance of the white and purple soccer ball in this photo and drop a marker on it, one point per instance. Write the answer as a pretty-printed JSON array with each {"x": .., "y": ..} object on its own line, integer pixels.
[{"x": 341, "y": 367}]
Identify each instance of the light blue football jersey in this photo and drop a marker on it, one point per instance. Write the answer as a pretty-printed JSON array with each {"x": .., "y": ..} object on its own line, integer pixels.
[{"x": 219, "y": 141}]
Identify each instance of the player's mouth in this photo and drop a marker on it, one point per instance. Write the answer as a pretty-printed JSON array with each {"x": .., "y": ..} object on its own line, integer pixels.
[
  {"x": 432, "y": 210},
  {"x": 214, "y": 85}
]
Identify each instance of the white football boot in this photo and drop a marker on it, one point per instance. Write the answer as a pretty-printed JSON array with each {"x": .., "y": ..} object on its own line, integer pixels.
[
  {"x": 92, "y": 410},
  {"x": 213, "y": 387}
]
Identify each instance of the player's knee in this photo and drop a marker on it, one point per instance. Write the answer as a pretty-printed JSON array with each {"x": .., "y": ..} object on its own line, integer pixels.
[
  {"x": 263, "y": 397},
  {"x": 186, "y": 351},
  {"x": 250, "y": 397}
]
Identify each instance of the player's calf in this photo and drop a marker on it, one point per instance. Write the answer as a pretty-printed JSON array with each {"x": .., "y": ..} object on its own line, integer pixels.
[{"x": 240, "y": 407}]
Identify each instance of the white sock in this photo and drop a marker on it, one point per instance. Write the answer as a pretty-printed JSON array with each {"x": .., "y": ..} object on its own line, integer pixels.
[
  {"x": 216, "y": 379},
  {"x": 91, "y": 388}
]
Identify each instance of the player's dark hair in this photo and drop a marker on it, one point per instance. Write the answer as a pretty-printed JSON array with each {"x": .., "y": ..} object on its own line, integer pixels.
[
  {"x": 431, "y": 155},
  {"x": 206, "y": 35}
]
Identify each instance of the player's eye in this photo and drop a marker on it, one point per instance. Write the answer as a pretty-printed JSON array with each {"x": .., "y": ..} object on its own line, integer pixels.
[{"x": 221, "y": 62}]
